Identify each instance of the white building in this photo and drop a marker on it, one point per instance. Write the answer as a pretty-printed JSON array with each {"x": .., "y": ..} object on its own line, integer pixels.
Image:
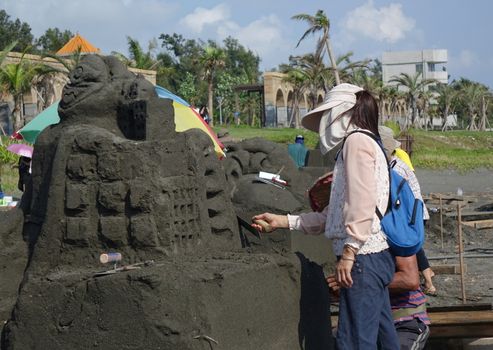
[{"x": 430, "y": 63}]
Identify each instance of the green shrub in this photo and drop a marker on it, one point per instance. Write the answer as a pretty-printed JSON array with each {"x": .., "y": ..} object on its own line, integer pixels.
[{"x": 8, "y": 161}]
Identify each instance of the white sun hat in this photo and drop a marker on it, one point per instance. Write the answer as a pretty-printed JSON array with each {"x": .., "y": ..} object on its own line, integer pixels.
[{"x": 342, "y": 93}]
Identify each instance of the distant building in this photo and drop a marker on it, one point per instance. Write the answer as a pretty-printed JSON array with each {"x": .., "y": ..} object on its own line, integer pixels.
[
  {"x": 278, "y": 107},
  {"x": 430, "y": 63}
]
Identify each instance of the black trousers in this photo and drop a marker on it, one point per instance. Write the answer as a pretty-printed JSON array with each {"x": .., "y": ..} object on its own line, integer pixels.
[{"x": 412, "y": 334}]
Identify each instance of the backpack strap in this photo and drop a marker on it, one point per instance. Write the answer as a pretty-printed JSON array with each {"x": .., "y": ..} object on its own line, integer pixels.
[{"x": 389, "y": 165}]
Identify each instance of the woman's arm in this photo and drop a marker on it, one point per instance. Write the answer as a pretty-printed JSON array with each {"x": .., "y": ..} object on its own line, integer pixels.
[
  {"x": 309, "y": 223},
  {"x": 361, "y": 197}
]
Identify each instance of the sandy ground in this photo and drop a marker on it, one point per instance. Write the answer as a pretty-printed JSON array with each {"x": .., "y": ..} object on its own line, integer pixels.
[
  {"x": 447, "y": 181},
  {"x": 478, "y": 284}
]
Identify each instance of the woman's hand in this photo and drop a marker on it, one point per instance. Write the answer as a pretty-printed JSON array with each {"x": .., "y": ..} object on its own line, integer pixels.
[
  {"x": 343, "y": 273},
  {"x": 268, "y": 222},
  {"x": 344, "y": 267}
]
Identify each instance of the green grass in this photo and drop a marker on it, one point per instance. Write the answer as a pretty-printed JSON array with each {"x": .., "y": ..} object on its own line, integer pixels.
[
  {"x": 8, "y": 173},
  {"x": 461, "y": 150},
  {"x": 278, "y": 135},
  {"x": 9, "y": 178}
]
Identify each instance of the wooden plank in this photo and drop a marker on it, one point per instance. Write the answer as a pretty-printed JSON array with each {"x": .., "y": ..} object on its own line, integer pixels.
[
  {"x": 479, "y": 224},
  {"x": 462, "y": 307},
  {"x": 454, "y": 318},
  {"x": 457, "y": 324},
  {"x": 470, "y": 213},
  {"x": 462, "y": 317},
  {"x": 461, "y": 331},
  {"x": 434, "y": 198},
  {"x": 447, "y": 269}
]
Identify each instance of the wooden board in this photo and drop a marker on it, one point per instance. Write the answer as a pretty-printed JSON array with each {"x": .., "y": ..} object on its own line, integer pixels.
[
  {"x": 447, "y": 269},
  {"x": 461, "y": 324},
  {"x": 471, "y": 213},
  {"x": 479, "y": 224},
  {"x": 452, "y": 323}
]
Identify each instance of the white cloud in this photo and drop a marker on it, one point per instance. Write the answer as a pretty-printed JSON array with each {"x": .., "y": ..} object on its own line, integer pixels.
[
  {"x": 387, "y": 23},
  {"x": 261, "y": 35},
  {"x": 201, "y": 17}
]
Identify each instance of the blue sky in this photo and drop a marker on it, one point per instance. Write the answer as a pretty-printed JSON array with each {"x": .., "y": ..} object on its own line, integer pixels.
[{"x": 366, "y": 27}]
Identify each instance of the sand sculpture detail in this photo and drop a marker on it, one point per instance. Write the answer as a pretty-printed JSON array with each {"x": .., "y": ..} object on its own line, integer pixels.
[{"x": 115, "y": 176}]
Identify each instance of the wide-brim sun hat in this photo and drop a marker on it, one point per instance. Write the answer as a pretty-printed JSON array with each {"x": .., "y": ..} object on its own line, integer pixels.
[
  {"x": 387, "y": 137},
  {"x": 339, "y": 94}
]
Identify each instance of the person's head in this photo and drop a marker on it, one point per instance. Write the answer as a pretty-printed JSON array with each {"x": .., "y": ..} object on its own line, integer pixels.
[
  {"x": 299, "y": 139},
  {"x": 389, "y": 143},
  {"x": 364, "y": 114},
  {"x": 346, "y": 107}
]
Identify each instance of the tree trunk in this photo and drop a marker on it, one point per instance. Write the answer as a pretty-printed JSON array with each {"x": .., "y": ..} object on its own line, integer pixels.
[
  {"x": 17, "y": 113},
  {"x": 332, "y": 60},
  {"x": 445, "y": 115},
  {"x": 297, "y": 122},
  {"x": 413, "y": 112},
  {"x": 472, "y": 121},
  {"x": 291, "y": 115},
  {"x": 484, "y": 107},
  {"x": 210, "y": 101}
]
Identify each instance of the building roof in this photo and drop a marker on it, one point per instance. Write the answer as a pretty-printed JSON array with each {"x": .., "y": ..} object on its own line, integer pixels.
[{"x": 73, "y": 45}]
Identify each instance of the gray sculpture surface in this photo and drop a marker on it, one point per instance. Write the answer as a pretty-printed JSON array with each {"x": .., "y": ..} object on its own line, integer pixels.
[{"x": 114, "y": 176}]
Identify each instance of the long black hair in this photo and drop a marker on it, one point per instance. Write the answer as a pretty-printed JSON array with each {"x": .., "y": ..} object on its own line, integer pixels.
[{"x": 364, "y": 113}]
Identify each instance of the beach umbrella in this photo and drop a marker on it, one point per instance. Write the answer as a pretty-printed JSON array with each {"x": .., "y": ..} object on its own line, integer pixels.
[
  {"x": 185, "y": 118},
  {"x": 32, "y": 129},
  {"x": 21, "y": 149}
]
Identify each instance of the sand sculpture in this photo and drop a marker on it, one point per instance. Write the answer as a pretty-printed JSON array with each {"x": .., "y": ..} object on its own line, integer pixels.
[{"x": 114, "y": 176}]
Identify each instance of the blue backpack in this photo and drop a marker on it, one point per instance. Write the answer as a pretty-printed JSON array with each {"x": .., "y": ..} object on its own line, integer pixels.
[{"x": 402, "y": 223}]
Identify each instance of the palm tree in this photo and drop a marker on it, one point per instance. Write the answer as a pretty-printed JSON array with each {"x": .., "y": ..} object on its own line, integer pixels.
[
  {"x": 299, "y": 82},
  {"x": 317, "y": 75},
  {"x": 68, "y": 62},
  {"x": 347, "y": 69},
  {"x": 472, "y": 94},
  {"x": 319, "y": 22},
  {"x": 6, "y": 50},
  {"x": 447, "y": 95},
  {"x": 212, "y": 59},
  {"x": 47, "y": 82},
  {"x": 137, "y": 57},
  {"x": 423, "y": 104},
  {"x": 17, "y": 79},
  {"x": 3, "y": 56},
  {"x": 485, "y": 101},
  {"x": 413, "y": 85}
]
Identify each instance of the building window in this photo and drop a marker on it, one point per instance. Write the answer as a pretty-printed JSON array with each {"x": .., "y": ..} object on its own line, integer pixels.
[
  {"x": 419, "y": 68},
  {"x": 431, "y": 67}
]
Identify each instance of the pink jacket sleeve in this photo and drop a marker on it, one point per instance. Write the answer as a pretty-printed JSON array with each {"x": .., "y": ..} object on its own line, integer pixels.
[
  {"x": 312, "y": 223},
  {"x": 361, "y": 197}
]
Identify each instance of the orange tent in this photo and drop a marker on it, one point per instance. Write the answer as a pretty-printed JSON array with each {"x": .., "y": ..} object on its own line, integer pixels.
[{"x": 74, "y": 44}]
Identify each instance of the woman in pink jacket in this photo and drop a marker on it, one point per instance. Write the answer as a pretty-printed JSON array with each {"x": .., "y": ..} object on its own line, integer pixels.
[{"x": 365, "y": 266}]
